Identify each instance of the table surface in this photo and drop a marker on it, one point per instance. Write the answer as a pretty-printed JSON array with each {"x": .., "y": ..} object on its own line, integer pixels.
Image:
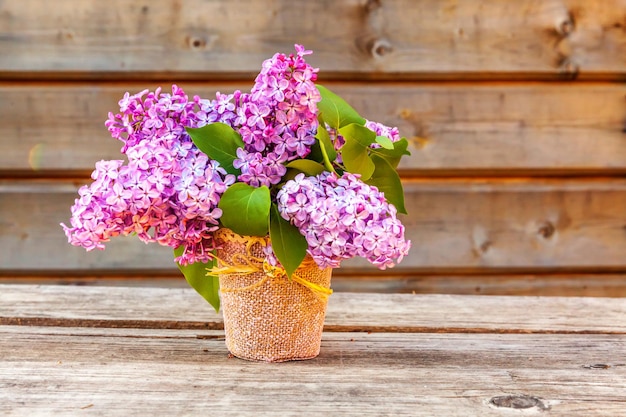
[{"x": 68, "y": 350}]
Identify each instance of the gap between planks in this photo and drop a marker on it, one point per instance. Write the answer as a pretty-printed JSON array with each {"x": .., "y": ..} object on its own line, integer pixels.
[
  {"x": 328, "y": 76},
  {"x": 82, "y": 176},
  {"x": 218, "y": 325}
]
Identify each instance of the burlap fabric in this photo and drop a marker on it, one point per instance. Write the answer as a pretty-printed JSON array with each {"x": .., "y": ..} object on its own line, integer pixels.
[{"x": 267, "y": 316}]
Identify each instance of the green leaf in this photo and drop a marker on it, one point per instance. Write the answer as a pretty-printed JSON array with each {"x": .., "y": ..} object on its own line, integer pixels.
[
  {"x": 394, "y": 155},
  {"x": 387, "y": 180},
  {"x": 359, "y": 133},
  {"x": 196, "y": 275},
  {"x": 308, "y": 167},
  {"x": 329, "y": 154},
  {"x": 336, "y": 111},
  {"x": 246, "y": 209},
  {"x": 220, "y": 142},
  {"x": 355, "y": 151},
  {"x": 385, "y": 142},
  {"x": 288, "y": 244}
]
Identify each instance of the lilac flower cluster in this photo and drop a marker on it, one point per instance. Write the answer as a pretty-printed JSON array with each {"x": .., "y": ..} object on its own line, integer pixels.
[
  {"x": 380, "y": 129},
  {"x": 169, "y": 190},
  {"x": 342, "y": 217},
  {"x": 278, "y": 119}
]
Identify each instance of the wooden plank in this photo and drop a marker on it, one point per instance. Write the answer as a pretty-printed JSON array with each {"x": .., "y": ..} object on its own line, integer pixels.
[
  {"x": 352, "y": 39},
  {"x": 183, "y": 308},
  {"x": 130, "y": 371},
  {"x": 455, "y": 225},
  {"x": 499, "y": 128},
  {"x": 516, "y": 223}
]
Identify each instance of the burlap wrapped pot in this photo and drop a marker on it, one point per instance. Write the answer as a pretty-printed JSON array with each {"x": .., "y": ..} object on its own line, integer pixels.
[{"x": 267, "y": 316}]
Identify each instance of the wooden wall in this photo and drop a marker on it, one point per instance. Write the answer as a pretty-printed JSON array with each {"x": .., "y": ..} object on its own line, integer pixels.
[{"x": 515, "y": 110}]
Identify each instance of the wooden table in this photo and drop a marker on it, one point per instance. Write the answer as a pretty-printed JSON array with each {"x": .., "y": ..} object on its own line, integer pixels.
[{"x": 154, "y": 351}]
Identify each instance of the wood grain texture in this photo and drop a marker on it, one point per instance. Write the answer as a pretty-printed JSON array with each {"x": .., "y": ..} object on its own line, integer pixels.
[
  {"x": 480, "y": 204},
  {"x": 535, "y": 355},
  {"x": 182, "y": 308},
  {"x": 352, "y": 38},
  {"x": 465, "y": 128},
  {"x": 455, "y": 225},
  {"x": 129, "y": 371}
]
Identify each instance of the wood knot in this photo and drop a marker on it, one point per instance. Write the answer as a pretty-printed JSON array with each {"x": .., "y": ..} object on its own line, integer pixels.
[
  {"x": 597, "y": 366},
  {"x": 379, "y": 48},
  {"x": 371, "y": 5},
  {"x": 566, "y": 26},
  {"x": 484, "y": 247},
  {"x": 481, "y": 241},
  {"x": 65, "y": 35},
  {"x": 518, "y": 402},
  {"x": 546, "y": 230},
  {"x": 407, "y": 113},
  {"x": 196, "y": 42}
]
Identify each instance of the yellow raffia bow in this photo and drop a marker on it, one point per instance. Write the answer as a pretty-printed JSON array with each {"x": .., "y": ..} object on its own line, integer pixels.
[{"x": 243, "y": 264}]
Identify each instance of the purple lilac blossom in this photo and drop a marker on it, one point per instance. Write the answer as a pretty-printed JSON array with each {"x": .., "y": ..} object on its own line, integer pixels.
[
  {"x": 342, "y": 217},
  {"x": 169, "y": 190},
  {"x": 278, "y": 119},
  {"x": 381, "y": 130}
]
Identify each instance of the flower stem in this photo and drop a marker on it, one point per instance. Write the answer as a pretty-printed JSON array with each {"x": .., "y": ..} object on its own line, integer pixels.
[{"x": 327, "y": 163}]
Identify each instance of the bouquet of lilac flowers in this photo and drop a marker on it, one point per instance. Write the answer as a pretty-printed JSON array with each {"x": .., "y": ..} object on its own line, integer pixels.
[{"x": 290, "y": 159}]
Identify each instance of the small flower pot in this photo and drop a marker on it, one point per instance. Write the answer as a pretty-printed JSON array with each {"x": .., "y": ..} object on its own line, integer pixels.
[{"x": 268, "y": 316}]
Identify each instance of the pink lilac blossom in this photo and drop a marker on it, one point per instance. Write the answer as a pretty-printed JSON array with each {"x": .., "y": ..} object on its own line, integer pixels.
[
  {"x": 169, "y": 191},
  {"x": 342, "y": 217},
  {"x": 278, "y": 119}
]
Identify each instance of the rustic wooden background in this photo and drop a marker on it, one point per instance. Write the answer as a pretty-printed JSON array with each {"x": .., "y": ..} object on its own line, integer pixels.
[{"x": 515, "y": 110}]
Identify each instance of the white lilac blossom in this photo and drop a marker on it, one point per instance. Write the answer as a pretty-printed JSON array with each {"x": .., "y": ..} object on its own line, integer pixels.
[{"x": 342, "y": 217}]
